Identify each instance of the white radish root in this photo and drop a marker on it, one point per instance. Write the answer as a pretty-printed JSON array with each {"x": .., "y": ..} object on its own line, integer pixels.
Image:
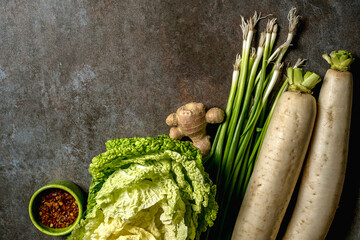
[
  {"x": 325, "y": 167},
  {"x": 279, "y": 163},
  {"x": 277, "y": 168}
]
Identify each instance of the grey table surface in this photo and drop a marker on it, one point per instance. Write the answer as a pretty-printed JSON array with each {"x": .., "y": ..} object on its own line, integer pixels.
[{"x": 76, "y": 73}]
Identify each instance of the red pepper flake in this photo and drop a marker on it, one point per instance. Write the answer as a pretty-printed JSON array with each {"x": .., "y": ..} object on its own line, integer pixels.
[{"x": 57, "y": 208}]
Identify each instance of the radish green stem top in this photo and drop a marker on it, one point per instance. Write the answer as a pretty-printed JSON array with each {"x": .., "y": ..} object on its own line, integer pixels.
[
  {"x": 302, "y": 81},
  {"x": 339, "y": 60}
]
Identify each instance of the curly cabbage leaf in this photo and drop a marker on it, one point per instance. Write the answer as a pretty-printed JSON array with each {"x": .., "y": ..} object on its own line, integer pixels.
[{"x": 148, "y": 188}]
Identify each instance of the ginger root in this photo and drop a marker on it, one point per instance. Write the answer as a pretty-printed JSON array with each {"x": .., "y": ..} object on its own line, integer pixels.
[{"x": 190, "y": 121}]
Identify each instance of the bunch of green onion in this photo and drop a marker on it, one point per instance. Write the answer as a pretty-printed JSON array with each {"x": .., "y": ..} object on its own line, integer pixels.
[{"x": 253, "y": 94}]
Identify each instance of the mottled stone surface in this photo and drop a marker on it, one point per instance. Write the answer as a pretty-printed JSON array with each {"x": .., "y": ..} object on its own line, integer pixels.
[{"x": 75, "y": 73}]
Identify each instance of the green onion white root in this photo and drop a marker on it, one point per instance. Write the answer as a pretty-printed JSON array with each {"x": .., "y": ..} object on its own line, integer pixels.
[{"x": 250, "y": 105}]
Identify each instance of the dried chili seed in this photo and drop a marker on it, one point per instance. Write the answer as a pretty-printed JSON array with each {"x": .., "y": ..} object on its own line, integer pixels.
[{"x": 57, "y": 208}]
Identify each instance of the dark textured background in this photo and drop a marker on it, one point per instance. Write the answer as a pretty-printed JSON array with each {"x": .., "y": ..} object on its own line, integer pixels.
[{"x": 74, "y": 74}]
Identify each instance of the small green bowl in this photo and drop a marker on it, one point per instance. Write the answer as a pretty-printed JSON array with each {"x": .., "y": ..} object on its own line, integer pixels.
[{"x": 67, "y": 186}]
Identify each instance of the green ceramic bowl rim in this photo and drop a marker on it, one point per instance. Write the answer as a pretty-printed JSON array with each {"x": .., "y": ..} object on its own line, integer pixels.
[{"x": 64, "y": 185}]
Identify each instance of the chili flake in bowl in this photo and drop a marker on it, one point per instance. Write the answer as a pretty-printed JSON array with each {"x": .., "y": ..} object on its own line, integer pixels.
[{"x": 57, "y": 207}]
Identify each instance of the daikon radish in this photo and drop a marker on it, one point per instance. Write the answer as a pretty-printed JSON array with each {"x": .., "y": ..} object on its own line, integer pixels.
[
  {"x": 324, "y": 169},
  {"x": 280, "y": 160}
]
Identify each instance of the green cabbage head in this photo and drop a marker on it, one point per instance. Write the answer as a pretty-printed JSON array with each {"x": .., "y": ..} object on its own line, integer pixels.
[{"x": 148, "y": 188}]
